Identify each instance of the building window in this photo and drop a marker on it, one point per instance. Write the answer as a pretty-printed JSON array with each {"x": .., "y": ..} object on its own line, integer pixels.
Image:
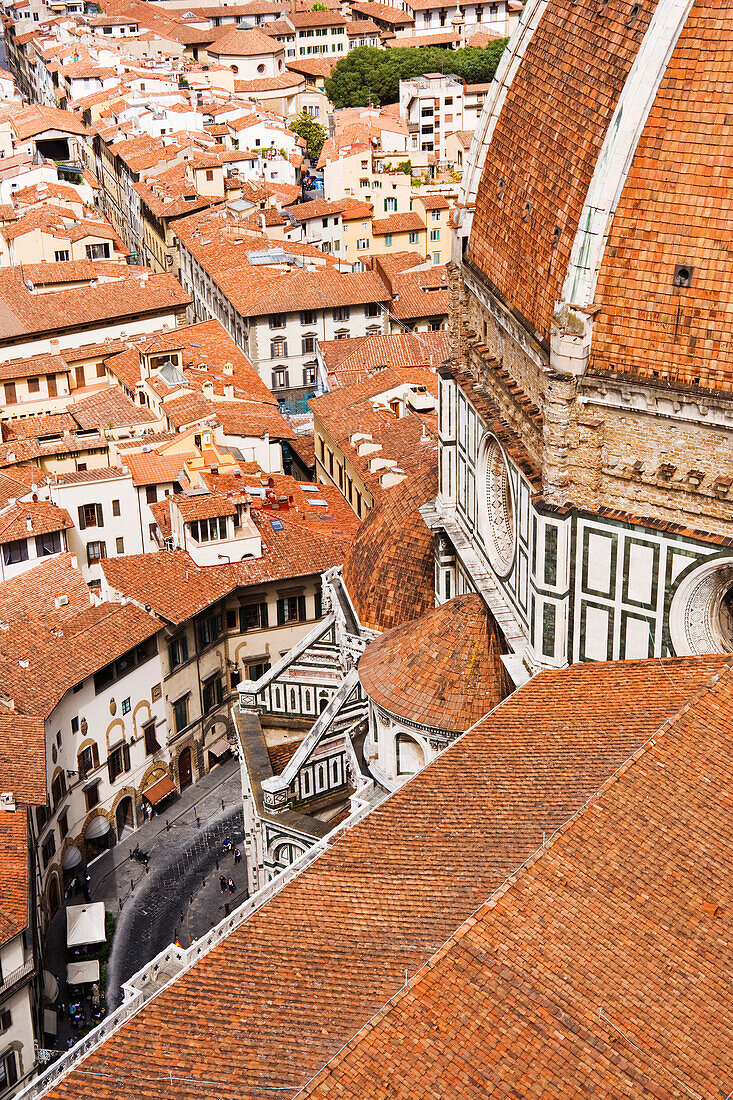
[
  {"x": 178, "y": 652},
  {"x": 212, "y": 693},
  {"x": 15, "y": 551},
  {"x": 48, "y": 851},
  {"x": 151, "y": 741},
  {"x": 257, "y": 671},
  {"x": 308, "y": 317},
  {"x": 341, "y": 313},
  {"x": 58, "y": 789},
  {"x": 436, "y": 215},
  {"x": 96, "y": 551},
  {"x": 363, "y": 242},
  {"x": 372, "y": 309},
  {"x": 34, "y": 386},
  {"x": 390, "y": 206},
  {"x": 64, "y": 823},
  {"x": 209, "y": 630},
  {"x": 291, "y": 609},
  {"x": 180, "y": 713},
  {"x": 98, "y": 251},
  {"x": 413, "y": 238},
  {"x": 115, "y": 507},
  {"x": 387, "y": 240},
  {"x": 11, "y": 396},
  {"x": 151, "y": 494},
  {"x": 279, "y": 379},
  {"x": 209, "y": 174},
  {"x": 91, "y": 795},
  {"x": 126, "y": 705},
  {"x": 209, "y": 530},
  {"x": 434, "y": 234},
  {"x": 61, "y": 255},
  {"x": 87, "y": 760},
  {"x": 309, "y": 345},
  {"x": 277, "y": 320},
  {"x": 309, "y": 376},
  {"x": 278, "y": 348},
  {"x": 120, "y": 544},
  {"x": 90, "y": 515},
  {"x": 253, "y": 617},
  {"x": 118, "y": 761}
]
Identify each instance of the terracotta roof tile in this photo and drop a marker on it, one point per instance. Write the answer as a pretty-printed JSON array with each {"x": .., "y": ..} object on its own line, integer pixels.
[
  {"x": 390, "y": 569},
  {"x": 445, "y": 673},
  {"x": 386, "y": 894},
  {"x": 44, "y": 518},
  {"x": 14, "y": 875}
]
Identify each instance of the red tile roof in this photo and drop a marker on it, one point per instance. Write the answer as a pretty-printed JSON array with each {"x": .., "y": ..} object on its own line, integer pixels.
[
  {"x": 545, "y": 147},
  {"x": 236, "y": 43},
  {"x": 631, "y": 873},
  {"x": 170, "y": 582},
  {"x": 390, "y": 569},
  {"x": 398, "y": 223},
  {"x": 33, "y": 594},
  {"x": 14, "y": 874},
  {"x": 44, "y": 518},
  {"x": 443, "y": 671},
  {"x": 596, "y": 966},
  {"x": 151, "y": 468},
  {"x": 109, "y": 408},
  {"x": 352, "y": 359}
]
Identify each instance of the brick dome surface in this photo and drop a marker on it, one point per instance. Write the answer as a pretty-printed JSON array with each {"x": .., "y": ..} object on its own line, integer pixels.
[
  {"x": 443, "y": 671},
  {"x": 390, "y": 570},
  {"x": 618, "y": 112}
]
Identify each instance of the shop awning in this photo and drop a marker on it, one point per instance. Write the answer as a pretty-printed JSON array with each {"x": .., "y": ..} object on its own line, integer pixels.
[
  {"x": 159, "y": 790},
  {"x": 83, "y": 972},
  {"x": 50, "y": 1022},
  {"x": 50, "y": 987},
  {"x": 71, "y": 858},
  {"x": 220, "y": 748},
  {"x": 97, "y": 827},
  {"x": 85, "y": 924}
]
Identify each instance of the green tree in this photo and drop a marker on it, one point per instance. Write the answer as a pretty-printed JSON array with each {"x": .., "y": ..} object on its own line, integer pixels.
[
  {"x": 318, "y": 6},
  {"x": 405, "y": 166},
  {"x": 312, "y": 133},
  {"x": 370, "y": 75}
]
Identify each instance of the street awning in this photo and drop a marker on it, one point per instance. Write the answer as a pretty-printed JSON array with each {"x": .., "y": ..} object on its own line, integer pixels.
[
  {"x": 159, "y": 790},
  {"x": 50, "y": 1022},
  {"x": 220, "y": 748},
  {"x": 83, "y": 972},
  {"x": 97, "y": 827},
  {"x": 50, "y": 987},
  {"x": 71, "y": 858},
  {"x": 85, "y": 924}
]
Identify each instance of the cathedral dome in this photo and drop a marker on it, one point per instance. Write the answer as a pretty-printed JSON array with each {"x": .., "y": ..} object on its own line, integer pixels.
[
  {"x": 443, "y": 671},
  {"x": 604, "y": 183},
  {"x": 390, "y": 569}
]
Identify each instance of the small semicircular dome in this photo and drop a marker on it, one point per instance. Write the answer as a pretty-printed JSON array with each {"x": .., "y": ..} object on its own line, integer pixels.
[{"x": 443, "y": 671}]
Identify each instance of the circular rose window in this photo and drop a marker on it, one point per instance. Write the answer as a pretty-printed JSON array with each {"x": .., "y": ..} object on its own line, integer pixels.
[
  {"x": 701, "y": 612},
  {"x": 496, "y": 510}
]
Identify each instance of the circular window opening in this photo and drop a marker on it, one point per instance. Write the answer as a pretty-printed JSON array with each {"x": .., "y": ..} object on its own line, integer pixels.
[
  {"x": 260, "y": 68},
  {"x": 496, "y": 512},
  {"x": 701, "y": 612}
]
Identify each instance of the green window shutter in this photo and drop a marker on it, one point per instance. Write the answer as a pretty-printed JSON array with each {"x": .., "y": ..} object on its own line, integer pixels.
[
  {"x": 82, "y": 521},
  {"x": 301, "y": 609},
  {"x": 125, "y": 757},
  {"x": 100, "y": 516},
  {"x": 280, "y": 612},
  {"x": 264, "y": 615}
]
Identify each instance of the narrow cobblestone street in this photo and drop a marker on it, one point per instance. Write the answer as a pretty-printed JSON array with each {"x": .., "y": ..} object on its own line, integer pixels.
[{"x": 178, "y": 896}]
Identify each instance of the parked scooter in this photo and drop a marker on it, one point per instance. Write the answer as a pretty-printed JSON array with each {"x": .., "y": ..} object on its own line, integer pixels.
[{"x": 140, "y": 856}]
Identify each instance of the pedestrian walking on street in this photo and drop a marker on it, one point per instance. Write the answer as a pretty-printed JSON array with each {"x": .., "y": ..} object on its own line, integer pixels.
[
  {"x": 232, "y": 887},
  {"x": 149, "y": 812},
  {"x": 223, "y": 883},
  {"x": 237, "y": 855}
]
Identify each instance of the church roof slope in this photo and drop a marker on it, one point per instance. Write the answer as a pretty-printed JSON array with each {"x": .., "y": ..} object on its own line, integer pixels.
[
  {"x": 390, "y": 569},
  {"x": 597, "y": 966},
  {"x": 386, "y": 894},
  {"x": 443, "y": 670}
]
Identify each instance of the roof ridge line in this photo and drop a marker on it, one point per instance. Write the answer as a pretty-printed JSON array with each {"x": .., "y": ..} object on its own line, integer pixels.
[{"x": 489, "y": 903}]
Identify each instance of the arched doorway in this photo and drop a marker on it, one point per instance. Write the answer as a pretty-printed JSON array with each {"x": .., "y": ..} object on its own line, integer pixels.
[
  {"x": 125, "y": 815},
  {"x": 185, "y": 770},
  {"x": 322, "y": 702}
]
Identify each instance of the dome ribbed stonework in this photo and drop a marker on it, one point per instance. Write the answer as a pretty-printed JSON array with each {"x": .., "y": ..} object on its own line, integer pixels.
[
  {"x": 443, "y": 671},
  {"x": 655, "y": 270},
  {"x": 390, "y": 569}
]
